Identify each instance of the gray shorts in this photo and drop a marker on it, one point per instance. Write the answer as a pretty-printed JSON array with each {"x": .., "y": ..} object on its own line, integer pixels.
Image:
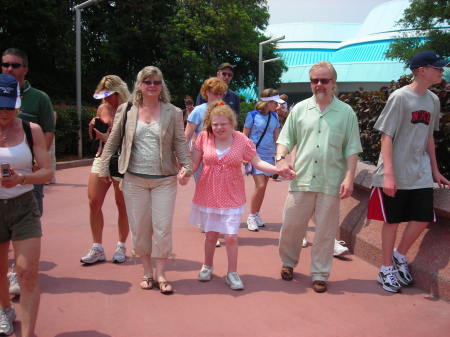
[{"x": 19, "y": 218}]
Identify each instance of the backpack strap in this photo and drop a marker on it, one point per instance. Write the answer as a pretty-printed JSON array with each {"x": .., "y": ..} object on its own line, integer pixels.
[{"x": 27, "y": 129}]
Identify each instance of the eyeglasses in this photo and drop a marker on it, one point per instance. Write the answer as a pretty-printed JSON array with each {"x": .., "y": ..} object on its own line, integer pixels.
[
  {"x": 149, "y": 82},
  {"x": 13, "y": 65},
  {"x": 225, "y": 74},
  {"x": 324, "y": 81}
]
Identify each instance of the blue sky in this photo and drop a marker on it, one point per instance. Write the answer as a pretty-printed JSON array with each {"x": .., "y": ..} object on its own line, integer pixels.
[{"x": 354, "y": 11}]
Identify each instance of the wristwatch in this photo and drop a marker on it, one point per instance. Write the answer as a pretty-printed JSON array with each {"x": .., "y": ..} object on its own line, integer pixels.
[{"x": 279, "y": 157}]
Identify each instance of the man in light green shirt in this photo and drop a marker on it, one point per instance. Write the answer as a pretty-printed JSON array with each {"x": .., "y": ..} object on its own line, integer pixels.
[{"x": 324, "y": 131}]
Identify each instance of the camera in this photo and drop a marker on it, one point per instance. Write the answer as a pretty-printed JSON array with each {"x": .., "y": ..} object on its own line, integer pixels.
[{"x": 5, "y": 169}]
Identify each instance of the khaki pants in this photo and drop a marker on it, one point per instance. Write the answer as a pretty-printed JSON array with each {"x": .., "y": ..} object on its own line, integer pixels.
[
  {"x": 298, "y": 210},
  {"x": 150, "y": 204}
]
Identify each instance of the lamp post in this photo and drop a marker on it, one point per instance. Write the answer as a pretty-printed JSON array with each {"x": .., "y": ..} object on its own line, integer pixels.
[
  {"x": 261, "y": 62},
  {"x": 78, "y": 9}
]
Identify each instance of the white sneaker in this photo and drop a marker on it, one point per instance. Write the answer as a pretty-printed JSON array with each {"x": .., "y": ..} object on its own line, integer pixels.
[
  {"x": 388, "y": 280},
  {"x": 93, "y": 256},
  {"x": 218, "y": 243},
  {"x": 304, "y": 243},
  {"x": 7, "y": 317},
  {"x": 259, "y": 222},
  {"x": 205, "y": 273},
  {"x": 119, "y": 255},
  {"x": 14, "y": 287},
  {"x": 252, "y": 224},
  {"x": 339, "y": 249},
  {"x": 234, "y": 281}
]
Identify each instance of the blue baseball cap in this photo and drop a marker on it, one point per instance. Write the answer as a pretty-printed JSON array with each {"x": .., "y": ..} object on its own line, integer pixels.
[
  {"x": 9, "y": 92},
  {"x": 427, "y": 58}
]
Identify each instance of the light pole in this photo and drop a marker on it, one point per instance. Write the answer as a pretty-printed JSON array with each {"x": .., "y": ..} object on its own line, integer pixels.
[
  {"x": 261, "y": 62},
  {"x": 78, "y": 9}
]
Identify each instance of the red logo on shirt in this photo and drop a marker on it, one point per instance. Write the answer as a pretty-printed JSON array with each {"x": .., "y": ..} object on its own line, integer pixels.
[{"x": 420, "y": 116}]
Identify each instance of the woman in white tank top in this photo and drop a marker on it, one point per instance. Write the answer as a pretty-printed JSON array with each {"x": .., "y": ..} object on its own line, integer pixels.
[{"x": 19, "y": 214}]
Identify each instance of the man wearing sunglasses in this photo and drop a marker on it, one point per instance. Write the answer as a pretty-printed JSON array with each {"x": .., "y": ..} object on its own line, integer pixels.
[
  {"x": 225, "y": 73},
  {"x": 324, "y": 131},
  {"x": 37, "y": 108}
]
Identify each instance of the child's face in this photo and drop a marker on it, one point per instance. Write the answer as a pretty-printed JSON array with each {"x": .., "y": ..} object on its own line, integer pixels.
[{"x": 221, "y": 127}]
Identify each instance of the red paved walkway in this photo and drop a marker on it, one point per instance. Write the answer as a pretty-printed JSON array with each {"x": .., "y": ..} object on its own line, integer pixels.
[{"x": 105, "y": 300}]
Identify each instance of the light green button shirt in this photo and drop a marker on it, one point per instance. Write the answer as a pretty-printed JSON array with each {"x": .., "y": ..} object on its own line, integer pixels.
[{"x": 324, "y": 140}]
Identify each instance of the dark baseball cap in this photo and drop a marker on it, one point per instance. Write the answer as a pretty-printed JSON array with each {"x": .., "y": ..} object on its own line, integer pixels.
[
  {"x": 226, "y": 65},
  {"x": 427, "y": 58},
  {"x": 9, "y": 92}
]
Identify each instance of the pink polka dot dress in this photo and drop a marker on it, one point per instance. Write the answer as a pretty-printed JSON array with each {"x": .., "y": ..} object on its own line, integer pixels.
[{"x": 219, "y": 197}]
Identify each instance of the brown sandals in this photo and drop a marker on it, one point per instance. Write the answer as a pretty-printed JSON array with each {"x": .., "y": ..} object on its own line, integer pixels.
[
  {"x": 147, "y": 283},
  {"x": 164, "y": 287},
  {"x": 287, "y": 273}
]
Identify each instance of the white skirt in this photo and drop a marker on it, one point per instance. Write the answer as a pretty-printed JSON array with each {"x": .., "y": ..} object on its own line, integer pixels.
[{"x": 224, "y": 221}]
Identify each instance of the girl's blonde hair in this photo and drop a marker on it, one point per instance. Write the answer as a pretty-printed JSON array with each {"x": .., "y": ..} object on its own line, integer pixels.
[
  {"x": 219, "y": 108},
  {"x": 262, "y": 105},
  {"x": 214, "y": 85},
  {"x": 149, "y": 71},
  {"x": 116, "y": 84}
]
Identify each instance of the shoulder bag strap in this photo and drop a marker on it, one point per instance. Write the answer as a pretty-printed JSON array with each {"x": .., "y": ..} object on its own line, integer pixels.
[
  {"x": 129, "y": 105},
  {"x": 265, "y": 130},
  {"x": 27, "y": 129}
]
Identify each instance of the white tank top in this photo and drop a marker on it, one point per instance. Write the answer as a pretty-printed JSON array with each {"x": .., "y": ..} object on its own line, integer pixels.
[{"x": 19, "y": 158}]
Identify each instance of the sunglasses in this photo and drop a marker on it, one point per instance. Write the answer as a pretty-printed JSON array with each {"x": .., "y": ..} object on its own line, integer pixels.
[
  {"x": 324, "y": 81},
  {"x": 149, "y": 82},
  {"x": 13, "y": 65},
  {"x": 10, "y": 109},
  {"x": 227, "y": 74}
]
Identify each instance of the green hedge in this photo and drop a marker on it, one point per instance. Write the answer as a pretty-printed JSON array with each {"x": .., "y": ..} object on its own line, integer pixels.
[
  {"x": 368, "y": 106},
  {"x": 66, "y": 135}
]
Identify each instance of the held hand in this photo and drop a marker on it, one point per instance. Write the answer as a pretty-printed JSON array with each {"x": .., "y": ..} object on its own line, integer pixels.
[
  {"x": 441, "y": 180},
  {"x": 13, "y": 180},
  {"x": 389, "y": 186},
  {"x": 346, "y": 189},
  {"x": 285, "y": 169},
  {"x": 182, "y": 178}
]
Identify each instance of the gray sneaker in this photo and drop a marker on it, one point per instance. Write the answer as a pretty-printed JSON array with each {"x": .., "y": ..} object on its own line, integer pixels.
[
  {"x": 7, "y": 317},
  {"x": 205, "y": 273},
  {"x": 93, "y": 256},
  {"x": 119, "y": 255},
  {"x": 234, "y": 281},
  {"x": 252, "y": 224},
  {"x": 14, "y": 287}
]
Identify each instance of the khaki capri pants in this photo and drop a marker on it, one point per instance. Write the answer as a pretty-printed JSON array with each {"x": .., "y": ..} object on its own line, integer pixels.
[{"x": 150, "y": 204}]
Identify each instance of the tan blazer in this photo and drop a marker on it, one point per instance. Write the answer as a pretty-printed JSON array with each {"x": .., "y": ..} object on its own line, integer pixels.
[{"x": 173, "y": 144}]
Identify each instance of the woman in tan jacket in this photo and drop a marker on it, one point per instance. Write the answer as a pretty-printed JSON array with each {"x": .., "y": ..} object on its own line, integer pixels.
[{"x": 152, "y": 144}]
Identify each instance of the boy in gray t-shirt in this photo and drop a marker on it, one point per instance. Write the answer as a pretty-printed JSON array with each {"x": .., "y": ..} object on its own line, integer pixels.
[{"x": 407, "y": 167}]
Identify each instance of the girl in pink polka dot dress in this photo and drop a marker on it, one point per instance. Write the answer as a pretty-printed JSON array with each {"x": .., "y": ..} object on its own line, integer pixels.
[{"x": 219, "y": 197}]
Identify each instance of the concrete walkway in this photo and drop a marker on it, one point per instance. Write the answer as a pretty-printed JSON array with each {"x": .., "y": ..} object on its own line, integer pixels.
[{"x": 105, "y": 300}]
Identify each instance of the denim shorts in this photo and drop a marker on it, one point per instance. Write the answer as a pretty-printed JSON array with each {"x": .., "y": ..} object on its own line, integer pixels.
[{"x": 19, "y": 218}]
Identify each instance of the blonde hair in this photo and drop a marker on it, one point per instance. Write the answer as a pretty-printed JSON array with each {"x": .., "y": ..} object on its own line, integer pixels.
[
  {"x": 325, "y": 64},
  {"x": 219, "y": 108},
  {"x": 149, "y": 71},
  {"x": 213, "y": 85},
  {"x": 262, "y": 105},
  {"x": 116, "y": 84}
]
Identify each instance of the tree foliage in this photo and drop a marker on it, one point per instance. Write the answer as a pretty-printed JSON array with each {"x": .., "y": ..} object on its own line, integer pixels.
[
  {"x": 423, "y": 17},
  {"x": 187, "y": 39}
]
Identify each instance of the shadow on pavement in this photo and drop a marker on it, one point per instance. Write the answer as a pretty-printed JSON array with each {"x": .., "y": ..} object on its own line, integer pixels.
[{"x": 63, "y": 285}]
